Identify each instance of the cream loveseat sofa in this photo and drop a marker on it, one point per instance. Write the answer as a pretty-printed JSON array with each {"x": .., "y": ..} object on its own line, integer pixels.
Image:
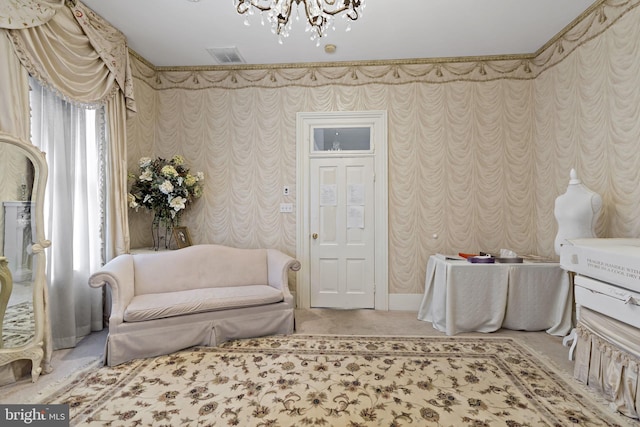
[{"x": 200, "y": 295}]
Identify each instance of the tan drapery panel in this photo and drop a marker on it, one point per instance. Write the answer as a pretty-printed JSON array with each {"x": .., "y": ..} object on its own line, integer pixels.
[
  {"x": 14, "y": 87},
  {"x": 86, "y": 61},
  {"x": 117, "y": 218}
]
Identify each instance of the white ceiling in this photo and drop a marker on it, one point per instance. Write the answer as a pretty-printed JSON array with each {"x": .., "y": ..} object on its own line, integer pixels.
[{"x": 178, "y": 32}]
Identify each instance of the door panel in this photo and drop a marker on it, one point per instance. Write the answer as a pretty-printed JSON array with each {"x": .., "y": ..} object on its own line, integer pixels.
[{"x": 343, "y": 232}]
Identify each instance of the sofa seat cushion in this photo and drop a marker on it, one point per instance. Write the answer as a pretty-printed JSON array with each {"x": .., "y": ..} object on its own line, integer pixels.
[{"x": 169, "y": 304}]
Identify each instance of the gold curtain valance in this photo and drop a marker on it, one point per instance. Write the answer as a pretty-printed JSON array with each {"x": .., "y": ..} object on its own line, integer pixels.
[
  {"x": 16, "y": 14},
  {"x": 77, "y": 54}
]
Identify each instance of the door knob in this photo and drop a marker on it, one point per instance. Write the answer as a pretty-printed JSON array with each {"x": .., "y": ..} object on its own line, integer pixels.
[{"x": 314, "y": 235}]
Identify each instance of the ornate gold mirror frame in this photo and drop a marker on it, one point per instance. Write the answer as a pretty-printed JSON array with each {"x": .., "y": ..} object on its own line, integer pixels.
[{"x": 36, "y": 349}]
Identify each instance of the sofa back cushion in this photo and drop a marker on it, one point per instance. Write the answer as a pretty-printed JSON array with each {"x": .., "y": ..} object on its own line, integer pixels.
[{"x": 197, "y": 267}]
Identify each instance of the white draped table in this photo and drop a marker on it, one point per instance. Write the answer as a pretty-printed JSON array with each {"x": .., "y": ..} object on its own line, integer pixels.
[{"x": 463, "y": 297}]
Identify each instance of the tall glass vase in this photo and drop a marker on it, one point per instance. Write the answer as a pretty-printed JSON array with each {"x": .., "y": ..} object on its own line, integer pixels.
[{"x": 161, "y": 232}]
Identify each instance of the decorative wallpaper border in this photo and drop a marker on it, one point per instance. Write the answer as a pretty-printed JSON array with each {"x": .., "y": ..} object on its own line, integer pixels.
[{"x": 595, "y": 20}]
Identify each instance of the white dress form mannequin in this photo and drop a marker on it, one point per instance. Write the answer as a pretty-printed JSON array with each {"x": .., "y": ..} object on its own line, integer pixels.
[{"x": 576, "y": 211}]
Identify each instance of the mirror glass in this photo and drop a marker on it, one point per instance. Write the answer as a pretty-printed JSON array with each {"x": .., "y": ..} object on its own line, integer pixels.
[{"x": 17, "y": 234}]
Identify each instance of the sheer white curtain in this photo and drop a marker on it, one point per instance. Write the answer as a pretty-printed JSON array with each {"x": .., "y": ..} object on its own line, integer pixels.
[{"x": 72, "y": 138}]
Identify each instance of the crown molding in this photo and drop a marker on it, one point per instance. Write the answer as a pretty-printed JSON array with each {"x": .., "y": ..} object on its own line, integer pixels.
[
  {"x": 566, "y": 30},
  {"x": 593, "y": 22}
]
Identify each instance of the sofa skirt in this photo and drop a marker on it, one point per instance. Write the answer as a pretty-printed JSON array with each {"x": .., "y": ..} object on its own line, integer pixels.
[
  {"x": 608, "y": 360},
  {"x": 136, "y": 340}
]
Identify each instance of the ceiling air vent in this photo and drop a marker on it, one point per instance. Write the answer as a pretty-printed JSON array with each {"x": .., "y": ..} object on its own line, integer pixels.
[{"x": 226, "y": 55}]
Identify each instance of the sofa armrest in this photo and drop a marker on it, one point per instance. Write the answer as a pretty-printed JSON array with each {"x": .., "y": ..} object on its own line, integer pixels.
[
  {"x": 278, "y": 266},
  {"x": 119, "y": 275}
]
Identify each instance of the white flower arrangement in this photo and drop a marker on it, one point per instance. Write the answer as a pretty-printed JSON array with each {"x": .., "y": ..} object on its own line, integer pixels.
[{"x": 165, "y": 187}]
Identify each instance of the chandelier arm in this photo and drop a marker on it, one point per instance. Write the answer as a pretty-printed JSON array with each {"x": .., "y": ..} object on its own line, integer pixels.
[
  {"x": 244, "y": 5},
  {"x": 285, "y": 19},
  {"x": 318, "y": 12},
  {"x": 346, "y": 5},
  {"x": 317, "y": 26}
]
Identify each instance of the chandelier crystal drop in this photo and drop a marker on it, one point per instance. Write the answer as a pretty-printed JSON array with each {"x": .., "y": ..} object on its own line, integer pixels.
[{"x": 320, "y": 14}]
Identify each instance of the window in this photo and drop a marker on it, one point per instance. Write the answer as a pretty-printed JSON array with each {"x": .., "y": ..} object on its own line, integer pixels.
[
  {"x": 342, "y": 139},
  {"x": 73, "y": 139}
]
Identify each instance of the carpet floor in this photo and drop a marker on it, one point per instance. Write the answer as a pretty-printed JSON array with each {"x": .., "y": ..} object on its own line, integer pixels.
[
  {"x": 19, "y": 325},
  {"x": 304, "y": 380}
]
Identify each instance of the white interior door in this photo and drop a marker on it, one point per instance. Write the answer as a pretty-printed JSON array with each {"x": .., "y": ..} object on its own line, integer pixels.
[
  {"x": 342, "y": 148},
  {"x": 342, "y": 226}
]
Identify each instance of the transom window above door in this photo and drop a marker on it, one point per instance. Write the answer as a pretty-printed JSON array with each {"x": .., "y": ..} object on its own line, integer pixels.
[{"x": 341, "y": 139}]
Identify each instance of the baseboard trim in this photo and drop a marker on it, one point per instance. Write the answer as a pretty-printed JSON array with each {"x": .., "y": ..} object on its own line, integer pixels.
[{"x": 404, "y": 302}]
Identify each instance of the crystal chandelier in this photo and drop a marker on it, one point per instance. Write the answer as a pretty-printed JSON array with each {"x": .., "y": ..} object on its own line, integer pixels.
[{"x": 320, "y": 14}]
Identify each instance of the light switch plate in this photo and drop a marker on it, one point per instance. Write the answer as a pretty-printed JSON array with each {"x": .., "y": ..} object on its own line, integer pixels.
[{"x": 286, "y": 207}]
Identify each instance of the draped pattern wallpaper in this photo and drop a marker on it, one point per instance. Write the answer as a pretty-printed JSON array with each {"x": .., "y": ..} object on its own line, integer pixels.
[
  {"x": 478, "y": 148},
  {"x": 587, "y": 116}
]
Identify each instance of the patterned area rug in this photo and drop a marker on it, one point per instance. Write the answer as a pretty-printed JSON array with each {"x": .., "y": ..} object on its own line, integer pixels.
[
  {"x": 19, "y": 325},
  {"x": 335, "y": 381}
]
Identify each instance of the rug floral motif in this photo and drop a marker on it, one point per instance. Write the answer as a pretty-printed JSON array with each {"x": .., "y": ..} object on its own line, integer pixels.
[
  {"x": 335, "y": 381},
  {"x": 19, "y": 325}
]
